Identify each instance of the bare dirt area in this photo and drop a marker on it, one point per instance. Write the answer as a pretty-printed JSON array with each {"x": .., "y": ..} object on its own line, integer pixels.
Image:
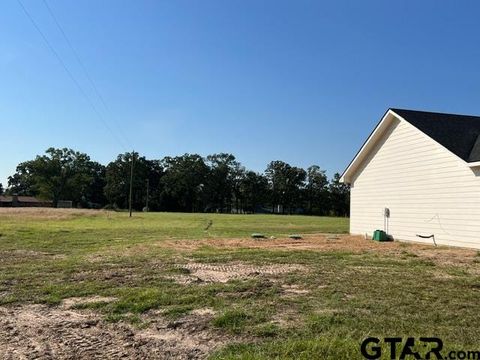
[
  {"x": 21, "y": 254},
  {"x": 42, "y": 332},
  {"x": 321, "y": 242},
  {"x": 329, "y": 242},
  {"x": 71, "y": 303},
  {"x": 208, "y": 273}
]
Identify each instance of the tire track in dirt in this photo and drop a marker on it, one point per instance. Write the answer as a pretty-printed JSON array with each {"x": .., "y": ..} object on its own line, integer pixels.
[
  {"x": 42, "y": 332},
  {"x": 224, "y": 272}
]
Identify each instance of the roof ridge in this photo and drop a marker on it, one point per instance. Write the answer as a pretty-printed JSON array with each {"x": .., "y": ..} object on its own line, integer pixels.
[{"x": 434, "y": 112}]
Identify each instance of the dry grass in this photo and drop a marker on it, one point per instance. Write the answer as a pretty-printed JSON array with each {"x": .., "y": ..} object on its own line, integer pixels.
[
  {"x": 97, "y": 284},
  {"x": 48, "y": 213}
]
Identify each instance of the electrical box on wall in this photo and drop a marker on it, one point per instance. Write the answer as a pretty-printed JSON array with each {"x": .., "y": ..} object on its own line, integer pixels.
[{"x": 387, "y": 212}]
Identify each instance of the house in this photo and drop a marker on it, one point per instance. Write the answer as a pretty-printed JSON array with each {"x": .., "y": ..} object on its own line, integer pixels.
[
  {"x": 23, "y": 201},
  {"x": 417, "y": 177}
]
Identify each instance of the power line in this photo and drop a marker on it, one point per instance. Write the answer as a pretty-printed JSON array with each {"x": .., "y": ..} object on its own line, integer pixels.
[
  {"x": 77, "y": 57},
  {"x": 82, "y": 65},
  {"x": 69, "y": 73}
]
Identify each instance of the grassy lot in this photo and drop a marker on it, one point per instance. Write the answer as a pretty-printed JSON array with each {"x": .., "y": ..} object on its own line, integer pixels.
[{"x": 275, "y": 302}]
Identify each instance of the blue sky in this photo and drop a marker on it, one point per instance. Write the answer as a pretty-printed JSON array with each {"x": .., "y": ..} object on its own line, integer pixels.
[{"x": 299, "y": 81}]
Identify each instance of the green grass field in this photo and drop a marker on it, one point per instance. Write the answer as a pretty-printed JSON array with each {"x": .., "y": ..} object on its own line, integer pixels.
[{"x": 295, "y": 303}]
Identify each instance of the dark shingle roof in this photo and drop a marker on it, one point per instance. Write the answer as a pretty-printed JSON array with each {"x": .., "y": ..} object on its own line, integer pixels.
[{"x": 458, "y": 133}]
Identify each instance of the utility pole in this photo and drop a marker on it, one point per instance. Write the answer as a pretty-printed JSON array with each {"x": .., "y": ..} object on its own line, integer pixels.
[
  {"x": 148, "y": 186},
  {"x": 131, "y": 185}
]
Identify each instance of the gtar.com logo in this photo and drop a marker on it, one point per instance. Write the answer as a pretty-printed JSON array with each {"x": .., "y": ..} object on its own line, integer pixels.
[{"x": 399, "y": 349}]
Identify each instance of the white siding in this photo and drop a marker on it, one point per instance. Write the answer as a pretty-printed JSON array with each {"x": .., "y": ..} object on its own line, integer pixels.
[{"x": 428, "y": 190}]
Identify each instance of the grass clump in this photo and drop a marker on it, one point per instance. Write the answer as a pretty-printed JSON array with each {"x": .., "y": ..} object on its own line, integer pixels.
[{"x": 232, "y": 320}]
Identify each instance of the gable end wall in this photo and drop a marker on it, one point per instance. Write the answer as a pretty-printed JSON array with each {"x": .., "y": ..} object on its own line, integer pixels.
[{"x": 427, "y": 189}]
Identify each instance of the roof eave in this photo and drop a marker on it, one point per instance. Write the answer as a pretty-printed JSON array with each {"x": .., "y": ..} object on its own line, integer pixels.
[
  {"x": 372, "y": 139},
  {"x": 474, "y": 164}
]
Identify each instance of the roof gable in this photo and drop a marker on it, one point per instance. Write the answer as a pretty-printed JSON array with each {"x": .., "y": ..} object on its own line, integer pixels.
[{"x": 460, "y": 134}]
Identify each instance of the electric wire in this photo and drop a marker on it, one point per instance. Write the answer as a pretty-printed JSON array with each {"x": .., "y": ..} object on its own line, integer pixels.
[
  {"x": 84, "y": 68},
  {"x": 70, "y": 75}
]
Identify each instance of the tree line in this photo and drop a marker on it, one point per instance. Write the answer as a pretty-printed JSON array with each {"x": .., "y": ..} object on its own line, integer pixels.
[{"x": 187, "y": 183}]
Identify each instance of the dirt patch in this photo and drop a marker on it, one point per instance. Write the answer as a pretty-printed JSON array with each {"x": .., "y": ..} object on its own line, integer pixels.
[
  {"x": 327, "y": 311},
  {"x": 294, "y": 290},
  {"x": 203, "y": 312},
  {"x": 321, "y": 242},
  {"x": 117, "y": 274},
  {"x": 368, "y": 269},
  {"x": 19, "y": 254},
  {"x": 441, "y": 275},
  {"x": 209, "y": 273},
  {"x": 286, "y": 317},
  {"x": 444, "y": 255},
  {"x": 42, "y": 332},
  {"x": 342, "y": 243},
  {"x": 79, "y": 301}
]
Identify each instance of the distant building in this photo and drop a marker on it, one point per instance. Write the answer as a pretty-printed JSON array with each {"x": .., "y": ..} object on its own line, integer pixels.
[
  {"x": 23, "y": 201},
  {"x": 64, "y": 204}
]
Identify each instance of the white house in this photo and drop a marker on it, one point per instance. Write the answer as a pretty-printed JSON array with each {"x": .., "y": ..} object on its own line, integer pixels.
[{"x": 424, "y": 168}]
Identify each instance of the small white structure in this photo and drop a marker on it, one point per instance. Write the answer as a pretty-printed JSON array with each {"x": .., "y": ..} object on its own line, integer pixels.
[{"x": 425, "y": 169}]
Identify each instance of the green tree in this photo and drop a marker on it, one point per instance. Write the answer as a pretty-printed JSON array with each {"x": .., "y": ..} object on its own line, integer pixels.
[
  {"x": 238, "y": 173},
  {"x": 253, "y": 191},
  {"x": 222, "y": 181},
  {"x": 94, "y": 195},
  {"x": 276, "y": 174},
  {"x": 155, "y": 173},
  {"x": 2, "y": 190},
  {"x": 339, "y": 196},
  {"x": 295, "y": 186},
  {"x": 183, "y": 183},
  {"x": 316, "y": 191},
  {"x": 60, "y": 174},
  {"x": 117, "y": 181},
  {"x": 286, "y": 184},
  {"x": 21, "y": 183}
]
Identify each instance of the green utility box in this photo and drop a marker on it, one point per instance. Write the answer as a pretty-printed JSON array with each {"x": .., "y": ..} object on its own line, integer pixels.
[{"x": 380, "y": 235}]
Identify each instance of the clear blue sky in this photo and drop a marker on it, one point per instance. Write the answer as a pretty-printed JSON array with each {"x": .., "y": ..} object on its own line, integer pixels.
[{"x": 300, "y": 81}]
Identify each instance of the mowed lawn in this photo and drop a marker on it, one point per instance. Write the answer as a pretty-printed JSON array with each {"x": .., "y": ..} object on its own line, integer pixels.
[{"x": 314, "y": 299}]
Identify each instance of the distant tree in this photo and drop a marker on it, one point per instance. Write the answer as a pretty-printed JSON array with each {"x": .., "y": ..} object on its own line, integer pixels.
[
  {"x": 2, "y": 190},
  {"x": 286, "y": 184},
  {"x": 222, "y": 180},
  {"x": 253, "y": 191},
  {"x": 238, "y": 174},
  {"x": 60, "y": 174},
  {"x": 94, "y": 194},
  {"x": 183, "y": 183},
  {"x": 117, "y": 181},
  {"x": 22, "y": 182},
  {"x": 295, "y": 186},
  {"x": 276, "y": 174},
  {"x": 155, "y": 173},
  {"x": 339, "y": 197},
  {"x": 316, "y": 191}
]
